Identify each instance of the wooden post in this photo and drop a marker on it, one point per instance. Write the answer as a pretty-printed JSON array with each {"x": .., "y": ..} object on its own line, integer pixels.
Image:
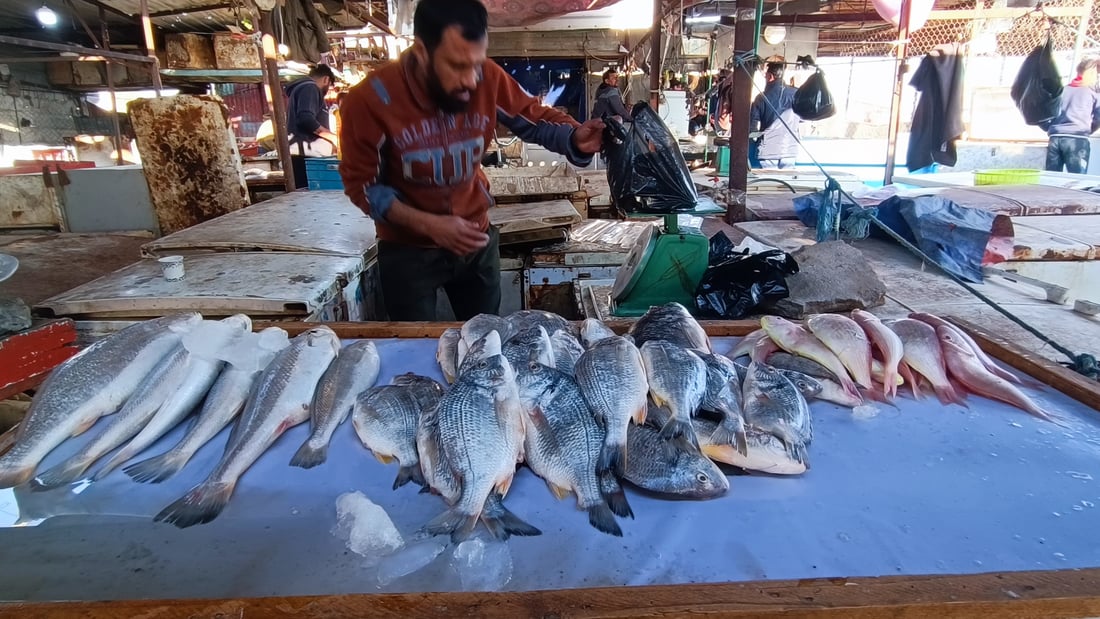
[
  {"x": 901, "y": 53},
  {"x": 105, "y": 37},
  {"x": 655, "y": 48},
  {"x": 273, "y": 92},
  {"x": 150, "y": 45},
  {"x": 743, "y": 43}
]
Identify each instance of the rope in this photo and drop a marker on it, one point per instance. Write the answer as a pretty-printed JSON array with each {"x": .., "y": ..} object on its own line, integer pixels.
[
  {"x": 860, "y": 218},
  {"x": 857, "y": 225}
]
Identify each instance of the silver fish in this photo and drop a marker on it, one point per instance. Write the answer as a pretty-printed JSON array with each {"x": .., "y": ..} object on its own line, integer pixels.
[
  {"x": 280, "y": 400},
  {"x": 766, "y": 453},
  {"x": 532, "y": 345},
  {"x": 567, "y": 350},
  {"x": 563, "y": 443},
  {"x": 386, "y": 419},
  {"x": 613, "y": 382},
  {"x": 593, "y": 331},
  {"x": 225, "y": 400},
  {"x": 525, "y": 319},
  {"x": 723, "y": 396},
  {"x": 488, "y": 346},
  {"x": 660, "y": 466},
  {"x": 672, "y": 323},
  {"x": 772, "y": 403},
  {"x": 446, "y": 353},
  {"x": 91, "y": 384},
  {"x": 479, "y": 326},
  {"x": 677, "y": 381},
  {"x": 824, "y": 385},
  {"x": 480, "y": 438},
  {"x": 354, "y": 371},
  {"x": 202, "y": 372}
]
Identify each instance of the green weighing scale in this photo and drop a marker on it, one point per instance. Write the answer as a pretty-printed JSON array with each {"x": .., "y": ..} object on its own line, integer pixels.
[{"x": 665, "y": 265}]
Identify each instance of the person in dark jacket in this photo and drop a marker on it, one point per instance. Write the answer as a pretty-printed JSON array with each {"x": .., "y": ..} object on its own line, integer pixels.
[
  {"x": 778, "y": 142},
  {"x": 1069, "y": 147},
  {"x": 608, "y": 98},
  {"x": 307, "y": 120}
]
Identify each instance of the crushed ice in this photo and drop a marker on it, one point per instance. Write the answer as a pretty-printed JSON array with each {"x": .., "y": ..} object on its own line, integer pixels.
[
  {"x": 366, "y": 526},
  {"x": 865, "y": 411},
  {"x": 410, "y": 559},
  {"x": 482, "y": 566}
]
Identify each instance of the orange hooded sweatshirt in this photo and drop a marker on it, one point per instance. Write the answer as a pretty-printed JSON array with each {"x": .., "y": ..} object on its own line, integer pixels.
[{"x": 396, "y": 144}]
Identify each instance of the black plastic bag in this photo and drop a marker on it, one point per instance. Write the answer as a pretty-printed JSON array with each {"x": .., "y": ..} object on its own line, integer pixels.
[
  {"x": 646, "y": 171},
  {"x": 812, "y": 100},
  {"x": 734, "y": 284},
  {"x": 1037, "y": 90}
]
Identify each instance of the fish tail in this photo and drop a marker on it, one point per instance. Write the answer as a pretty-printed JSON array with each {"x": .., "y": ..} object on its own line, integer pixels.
[
  {"x": 799, "y": 453},
  {"x": 503, "y": 524},
  {"x": 156, "y": 469},
  {"x": 602, "y": 519},
  {"x": 734, "y": 436},
  {"x": 117, "y": 460},
  {"x": 612, "y": 458},
  {"x": 890, "y": 382},
  {"x": 612, "y": 492},
  {"x": 680, "y": 431},
  {"x": 948, "y": 395},
  {"x": 310, "y": 454},
  {"x": 65, "y": 473},
  {"x": 409, "y": 473},
  {"x": 199, "y": 506},
  {"x": 873, "y": 394},
  {"x": 454, "y": 523},
  {"x": 910, "y": 379}
]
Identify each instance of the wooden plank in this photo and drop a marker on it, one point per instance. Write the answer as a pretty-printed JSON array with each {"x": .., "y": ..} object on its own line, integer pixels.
[
  {"x": 1007, "y": 595},
  {"x": 530, "y": 216},
  {"x": 1045, "y": 200},
  {"x": 557, "y": 44},
  {"x": 1063, "y": 379},
  {"x": 27, "y": 357}
]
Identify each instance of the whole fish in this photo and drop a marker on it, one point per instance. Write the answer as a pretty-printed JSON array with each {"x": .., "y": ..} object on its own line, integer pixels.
[
  {"x": 672, "y": 323},
  {"x": 202, "y": 371},
  {"x": 766, "y": 453},
  {"x": 772, "y": 403},
  {"x": 563, "y": 443},
  {"x": 140, "y": 407},
  {"x": 849, "y": 343},
  {"x": 446, "y": 353},
  {"x": 677, "y": 381},
  {"x": 723, "y": 396},
  {"x": 532, "y": 345},
  {"x": 481, "y": 431},
  {"x": 659, "y": 466},
  {"x": 567, "y": 350},
  {"x": 888, "y": 344},
  {"x": 798, "y": 341},
  {"x": 745, "y": 345},
  {"x": 593, "y": 331},
  {"x": 963, "y": 336},
  {"x": 613, "y": 382},
  {"x": 280, "y": 400},
  {"x": 226, "y": 399},
  {"x": 88, "y": 386},
  {"x": 353, "y": 371},
  {"x": 525, "y": 319},
  {"x": 479, "y": 326},
  {"x": 488, "y": 346},
  {"x": 386, "y": 419},
  {"x": 968, "y": 369},
  {"x": 924, "y": 355}
]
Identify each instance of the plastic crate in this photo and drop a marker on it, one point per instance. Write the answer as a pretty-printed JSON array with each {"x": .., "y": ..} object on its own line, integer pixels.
[
  {"x": 1006, "y": 177},
  {"x": 323, "y": 173}
]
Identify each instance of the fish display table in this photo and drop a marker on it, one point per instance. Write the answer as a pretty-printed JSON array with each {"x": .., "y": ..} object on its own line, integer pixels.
[{"x": 937, "y": 511}]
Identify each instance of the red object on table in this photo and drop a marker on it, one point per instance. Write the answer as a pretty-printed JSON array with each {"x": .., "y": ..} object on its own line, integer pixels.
[{"x": 28, "y": 357}]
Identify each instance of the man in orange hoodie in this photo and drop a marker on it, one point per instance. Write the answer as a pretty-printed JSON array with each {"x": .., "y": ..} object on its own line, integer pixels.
[{"x": 412, "y": 136}]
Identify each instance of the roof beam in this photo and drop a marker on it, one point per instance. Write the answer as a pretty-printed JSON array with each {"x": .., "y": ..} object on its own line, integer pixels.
[
  {"x": 945, "y": 14},
  {"x": 363, "y": 15},
  {"x": 194, "y": 9},
  {"x": 75, "y": 49},
  {"x": 108, "y": 8}
]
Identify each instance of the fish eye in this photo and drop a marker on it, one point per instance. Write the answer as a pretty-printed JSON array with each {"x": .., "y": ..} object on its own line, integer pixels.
[
  {"x": 484, "y": 364},
  {"x": 702, "y": 478},
  {"x": 534, "y": 366}
]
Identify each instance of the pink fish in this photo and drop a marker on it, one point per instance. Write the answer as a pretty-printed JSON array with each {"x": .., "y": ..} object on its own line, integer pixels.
[
  {"x": 763, "y": 349},
  {"x": 965, "y": 339},
  {"x": 798, "y": 341},
  {"x": 744, "y": 347},
  {"x": 849, "y": 343},
  {"x": 924, "y": 355},
  {"x": 888, "y": 345}
]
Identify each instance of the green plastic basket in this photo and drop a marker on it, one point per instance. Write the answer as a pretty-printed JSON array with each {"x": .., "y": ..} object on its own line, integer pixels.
[{"x": 1006, "y": 177}]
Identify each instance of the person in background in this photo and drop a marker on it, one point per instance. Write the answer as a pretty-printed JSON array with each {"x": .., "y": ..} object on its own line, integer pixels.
[
  {"x": 608, "y": 98},
  {"x": 778, "y": 146},
  {"x": 265, "y": 135},
  {"x": 308, "y": 120},
  {"x": 698, "y": 122},
  {"x": 1068, "y": 149}
]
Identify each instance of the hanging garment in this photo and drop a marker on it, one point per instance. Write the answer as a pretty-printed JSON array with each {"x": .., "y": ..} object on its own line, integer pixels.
[
  {"x": 305, "y": 31},
  {"x": 937, "y": 121}
]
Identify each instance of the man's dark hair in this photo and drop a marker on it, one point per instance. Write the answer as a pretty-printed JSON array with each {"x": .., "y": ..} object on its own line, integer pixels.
[
  {"x": 432, "y": 17},
  {"x": 1086, "y": 64},
  {"x": 322, "y": 70},
  {"x": 776, "y": 69},
  {"x": 608, "y": 73}
]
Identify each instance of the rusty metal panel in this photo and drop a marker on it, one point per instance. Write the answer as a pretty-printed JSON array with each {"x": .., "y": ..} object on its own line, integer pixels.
[
  {"x": 29, "y": 201},
  {"x": 189, "y": 51},
  {"x": 190, "y": 158},
  {"x": 235, "y": 51}
]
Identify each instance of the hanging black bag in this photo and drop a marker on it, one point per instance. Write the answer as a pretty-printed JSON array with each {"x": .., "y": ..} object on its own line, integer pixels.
[
  {"x": 812, "y": 100},
  {"x": 1037, "y": 90}
]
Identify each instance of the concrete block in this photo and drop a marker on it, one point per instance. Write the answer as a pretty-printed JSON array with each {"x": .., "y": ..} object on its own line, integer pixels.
[{"x": 832, "y": 277}]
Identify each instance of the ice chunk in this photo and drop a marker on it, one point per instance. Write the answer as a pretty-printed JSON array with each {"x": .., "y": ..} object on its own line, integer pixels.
[
  {"x": 409, "y": 559},
  {"x": 366, "y": 527},
  {"x": 482, "y": 566},
  {"x": 252, "y": 352},
  {"x": 210, "y": 337},
  {"x": 866, "y": 411}
]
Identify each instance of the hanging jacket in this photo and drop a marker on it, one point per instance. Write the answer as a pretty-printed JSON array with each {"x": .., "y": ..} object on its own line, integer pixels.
[
  {"x": 306, "y": 35},
  {"x": 937, "y": 121}
]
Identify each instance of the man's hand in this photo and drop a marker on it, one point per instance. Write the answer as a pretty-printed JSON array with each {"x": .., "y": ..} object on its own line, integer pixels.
[
  {"x": 588, "y": 138},
  {"x": 328, "y": 136},
  {"x": 455, "y": 234}
]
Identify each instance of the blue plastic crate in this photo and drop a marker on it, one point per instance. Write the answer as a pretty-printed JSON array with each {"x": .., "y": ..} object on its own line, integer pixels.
[
  {"x": 326, "y": 185},
  {"x": 323, "y": 173}
]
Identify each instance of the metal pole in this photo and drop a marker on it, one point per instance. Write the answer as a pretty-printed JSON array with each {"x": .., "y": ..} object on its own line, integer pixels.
[
  {"x": 743, "y": 43},
  {"x": 273, "y": 92},
  {"x": 105, "y": 36},
  {"x": 150, "y": 45},
  {"x": 901, "y": 52},
  {"x": 655, "y": 48}
]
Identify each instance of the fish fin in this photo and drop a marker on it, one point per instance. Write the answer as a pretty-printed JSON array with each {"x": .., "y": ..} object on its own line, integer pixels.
[
  {"x": 602, "y": 519},
  {"x": 199, "y": 506},
  {"x": 640, "y": 415},
  {"x": 679, "y": 429},
  {"x": 873, "y": 394},
  {"x": 156, "y": 469},
  {"x": 310, "y": 455},
  {"x": 612, "y": 458},
  {"x": 454, "y": 523},
  {"x": 613, "y": 493},
  {"x": 947, "y": 395},
  {"x": 735, "y": 436},
  {"x": 502, "y": 523},
  {"x": 713, "y": 452},
  {"x": 798, "y": 450},
  {"x": 83, "y": 427},
  {"x": 409, "y": 473},
  {"x": 558, "y": 492},
  {"x": 117, "y": 460},
  {"x": 505, "y": 484},
  {"x": 910, "y": 379},
  {"x": 426, "y": 489},
  {"x": 383, "y": 458},
  {"x": 65, "y": 473}
]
